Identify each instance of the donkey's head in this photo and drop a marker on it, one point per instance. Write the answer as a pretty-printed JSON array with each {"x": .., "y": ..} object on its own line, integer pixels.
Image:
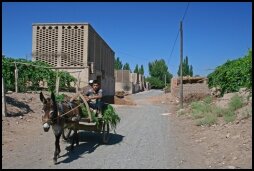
[{"x": 50, "y": 111}]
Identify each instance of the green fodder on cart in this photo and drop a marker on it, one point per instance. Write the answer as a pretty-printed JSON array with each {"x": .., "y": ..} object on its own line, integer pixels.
[{"x": 110, "y": 116}]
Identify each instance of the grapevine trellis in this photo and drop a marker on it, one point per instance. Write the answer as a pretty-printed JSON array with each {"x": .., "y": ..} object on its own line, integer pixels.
[
  {"x": 39, "y": 70},
  {"x": 13, "y": 68},
  {"x": 57, "y": 74}
]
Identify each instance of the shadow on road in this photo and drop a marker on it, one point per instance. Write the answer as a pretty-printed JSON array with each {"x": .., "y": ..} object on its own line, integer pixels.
[
  {"x": 24, "y": 108},
  {"x": 88, "y": 142}
]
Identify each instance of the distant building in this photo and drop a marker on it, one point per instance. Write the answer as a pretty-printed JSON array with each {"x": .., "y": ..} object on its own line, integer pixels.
[
  {"x": 77, "y": 48},
  {"x": 129, "y": 82},
  {"x": 191, "y": 86}
]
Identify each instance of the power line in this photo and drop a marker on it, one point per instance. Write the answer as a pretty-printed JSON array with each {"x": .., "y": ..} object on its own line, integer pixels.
[
  {"x": 178, "y": 33},
  {"x": 185, "y": 11},
  {"x": 173, "y": 46}
]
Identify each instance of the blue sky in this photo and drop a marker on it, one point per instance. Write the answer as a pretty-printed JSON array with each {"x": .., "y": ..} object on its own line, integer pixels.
[{"x": 139, "y": 33}]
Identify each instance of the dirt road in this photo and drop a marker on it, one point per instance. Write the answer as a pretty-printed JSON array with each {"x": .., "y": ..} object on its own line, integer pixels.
[
  {"x": 143, "y": 139},
  {"x": 150, "y": 135}
]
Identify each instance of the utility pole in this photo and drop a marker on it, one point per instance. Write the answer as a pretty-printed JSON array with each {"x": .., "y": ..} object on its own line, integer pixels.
[
  {"x": 3, "y": 99},
  {"x": 16, "y": 77},
  {"x": 181, "y": 65}
]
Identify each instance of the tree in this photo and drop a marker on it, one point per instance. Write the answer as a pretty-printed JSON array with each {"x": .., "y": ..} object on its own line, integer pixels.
[
  {"x": 141, "y": 70},
  {"x": 158, "y": 70},
  {"x": 187, "y": 70},
  {"x": 191, "y": 71},
  {"x": 136, "y": 69},
  {"x": 186, "y": 67},
  {"x": 126, "y": 66},
  {"x": 118, "y": 64}
]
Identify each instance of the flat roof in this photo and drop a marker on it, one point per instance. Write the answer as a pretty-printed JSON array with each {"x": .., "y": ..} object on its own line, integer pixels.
[{"x": 60, "y": 24}]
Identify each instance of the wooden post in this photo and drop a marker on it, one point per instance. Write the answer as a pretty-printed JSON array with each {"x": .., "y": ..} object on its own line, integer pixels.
[
  {"x": 78, "y": 84},
  {"x": 3, "y": 99},
  {"x": 181, "y": 65},
  {"x": 16, "y": 78},
  {"x": 57, "y": 82}
]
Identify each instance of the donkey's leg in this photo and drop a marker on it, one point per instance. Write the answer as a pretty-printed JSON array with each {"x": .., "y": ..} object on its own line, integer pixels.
[
  {"x": 77, "y": 137},
  {"x": 57, "y": 148},
  {"x": 58, "y": 145},
  {"x": 74, "y": 139}
]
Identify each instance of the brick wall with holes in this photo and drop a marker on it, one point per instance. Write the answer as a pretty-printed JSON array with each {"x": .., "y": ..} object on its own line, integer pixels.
[{"x": 75, "y": 45}]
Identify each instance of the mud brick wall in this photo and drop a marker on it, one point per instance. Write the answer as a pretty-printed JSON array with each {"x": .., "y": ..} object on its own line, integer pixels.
[
  {"x": 129, "y": 82},
  {"x": 190, "y": 89},
  {"x": 122, "y": 76}
]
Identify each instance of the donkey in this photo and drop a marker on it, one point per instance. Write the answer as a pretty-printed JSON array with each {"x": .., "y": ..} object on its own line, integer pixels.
[{"x": 54, "y": 115}]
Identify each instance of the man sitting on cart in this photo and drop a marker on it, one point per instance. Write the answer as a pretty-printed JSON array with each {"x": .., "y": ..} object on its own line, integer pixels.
[
  {"x": 86, "y": 91},
  {"x": 94, "y": 98}
]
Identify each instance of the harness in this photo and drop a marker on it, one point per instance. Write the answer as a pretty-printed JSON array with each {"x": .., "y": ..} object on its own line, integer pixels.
[{"x": 60, "y": 109}]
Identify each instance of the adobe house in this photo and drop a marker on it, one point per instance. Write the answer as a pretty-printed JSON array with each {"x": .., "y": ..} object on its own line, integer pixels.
[
  {"x": 191, "y": 86},
  {"x": 129, "y": 82},
  {"x": 78, "y": 49}
]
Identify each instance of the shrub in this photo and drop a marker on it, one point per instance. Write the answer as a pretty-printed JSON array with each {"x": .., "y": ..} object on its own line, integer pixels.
[
  {"x": 201, "y": 107},
  {"x": 209, "y": 119},
  {"x": 236, "y": 102},
  {"x": 219, "y": 111},
  {"x": 232, "y": 75},
  {"x": 206, "y": 113},
  {"x": 197, "y": 114},
  {"x": 229, "y": 116},
  {"x": 208, "y": 100}
]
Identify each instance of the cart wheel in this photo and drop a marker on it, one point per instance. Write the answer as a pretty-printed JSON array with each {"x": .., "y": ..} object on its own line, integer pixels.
[
  {"x": 105, "y": 133},
  {"x": 66, "y": 133}
]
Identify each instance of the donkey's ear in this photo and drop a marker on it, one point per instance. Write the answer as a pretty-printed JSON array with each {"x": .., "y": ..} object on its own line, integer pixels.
[
  {"x": 53, "y": 97},
  {"x": 42, "y": 98}
]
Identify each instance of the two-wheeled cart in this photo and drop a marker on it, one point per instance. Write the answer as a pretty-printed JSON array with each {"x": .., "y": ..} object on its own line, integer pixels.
[{"x": 86, "y": 124}]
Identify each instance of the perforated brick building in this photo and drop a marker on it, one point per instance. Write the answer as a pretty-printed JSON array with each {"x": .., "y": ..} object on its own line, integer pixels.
[{"x": 77, "y": 48}]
